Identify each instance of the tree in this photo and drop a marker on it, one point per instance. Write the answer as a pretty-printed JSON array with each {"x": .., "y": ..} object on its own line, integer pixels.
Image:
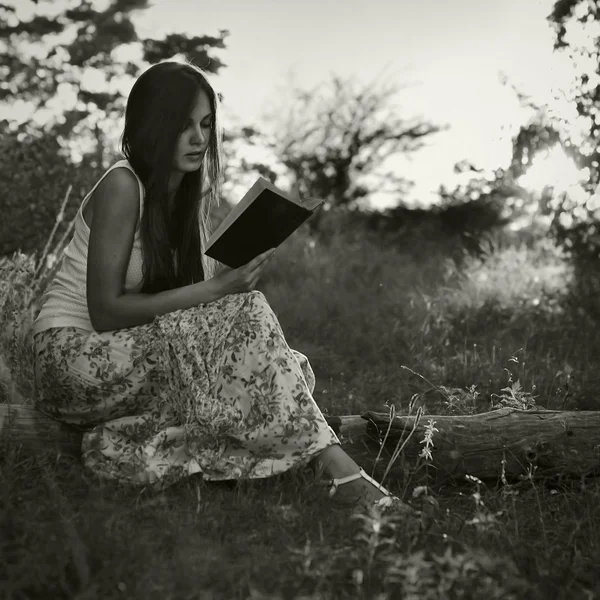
[
  {"x": 44, "y": 57},
  {"x": 494, "y": 198},
  {"x": 573, "y": 224},
  {"x": 576, "y": 222},
  {"x": 334, "y": 141},
  {"x": 50, "y": 55},
  {"x": 575, "y": 23},
  {"x": 35, "y": 175},
  {"x": 575, "y": 219}
]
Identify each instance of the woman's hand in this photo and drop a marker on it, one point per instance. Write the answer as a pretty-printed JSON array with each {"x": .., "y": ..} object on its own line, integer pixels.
[{"x": 244, "y": 278}]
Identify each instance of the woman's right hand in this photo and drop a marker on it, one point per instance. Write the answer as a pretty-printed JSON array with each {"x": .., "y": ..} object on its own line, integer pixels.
[{"x": 244, "y": 278}]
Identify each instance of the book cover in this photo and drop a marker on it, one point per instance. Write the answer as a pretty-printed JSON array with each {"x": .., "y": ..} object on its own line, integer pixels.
[{"x": 263, "y": 219}]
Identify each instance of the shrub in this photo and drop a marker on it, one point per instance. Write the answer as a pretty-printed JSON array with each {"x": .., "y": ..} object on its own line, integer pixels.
[{"x": 35, "y": 174}]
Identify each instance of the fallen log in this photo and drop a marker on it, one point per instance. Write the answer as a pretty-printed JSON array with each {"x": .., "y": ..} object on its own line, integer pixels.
[
  {"x": 33, "y": 432},
  {"x": 505, "y": 442},
  {"x": 501, "y": 443}
]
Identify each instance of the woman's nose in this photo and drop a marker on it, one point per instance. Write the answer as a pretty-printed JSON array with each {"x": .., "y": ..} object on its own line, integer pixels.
[{"x": 199, "y": 135}]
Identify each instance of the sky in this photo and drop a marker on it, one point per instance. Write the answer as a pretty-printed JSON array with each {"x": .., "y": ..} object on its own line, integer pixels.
[{"x": 448, "y": 55}]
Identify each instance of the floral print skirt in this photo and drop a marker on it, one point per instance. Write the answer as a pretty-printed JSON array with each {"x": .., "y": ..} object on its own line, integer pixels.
[{"x": 214, "y": 389}]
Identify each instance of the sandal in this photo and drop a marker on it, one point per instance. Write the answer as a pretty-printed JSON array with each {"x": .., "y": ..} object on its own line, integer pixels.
[{"x": 384, "y": 503}]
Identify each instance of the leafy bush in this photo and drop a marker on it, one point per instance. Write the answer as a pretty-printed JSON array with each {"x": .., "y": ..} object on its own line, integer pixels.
[
  {"x": 575, "y": 227},
  {"x": 35, "y": 174}
]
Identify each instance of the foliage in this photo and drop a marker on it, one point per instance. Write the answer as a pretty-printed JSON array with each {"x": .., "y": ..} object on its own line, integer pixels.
[
  {"x": 334, "y": 141},
  {"x": 23, "y": 279},
  {"x": 80, "y": 41},
  {"x": 360, "y": 310},
  {"x": 16, "y": 365},
  {"x": 576, "y": 217},
  {"x": 573, "y": 217},
  {"x": 463, "y": 228},
  {"x": 65, "y": 536},
  {"x": 50, "y": 55},
  {"x": 35, "y": 175},
  {"x": 495, "y": 198},
  {"x": 575, "y": 23},
  {"x": 575, "y": 227}
]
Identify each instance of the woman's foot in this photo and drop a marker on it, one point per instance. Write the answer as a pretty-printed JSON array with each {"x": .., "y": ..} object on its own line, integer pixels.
[
  {"x": 356, "y": 491},
  {"x": 360, "y": 490}
]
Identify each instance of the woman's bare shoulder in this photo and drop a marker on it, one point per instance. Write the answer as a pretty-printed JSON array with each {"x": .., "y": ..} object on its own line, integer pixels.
[
  {"x": 122, "y": 181},
  {"x": 120, "y": 185},
  {"x": 117, "y": 196}
]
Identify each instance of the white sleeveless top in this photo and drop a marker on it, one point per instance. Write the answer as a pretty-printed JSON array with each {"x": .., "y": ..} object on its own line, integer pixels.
[{"x": 65, "y": 302}]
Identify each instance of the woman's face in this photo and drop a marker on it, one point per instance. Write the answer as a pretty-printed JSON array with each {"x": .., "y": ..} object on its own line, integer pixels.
[{"x": 192, "y": 143}]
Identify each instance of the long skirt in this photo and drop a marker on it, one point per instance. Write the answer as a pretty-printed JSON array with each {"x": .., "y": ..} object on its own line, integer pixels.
[{"x": 214, "y": 389}]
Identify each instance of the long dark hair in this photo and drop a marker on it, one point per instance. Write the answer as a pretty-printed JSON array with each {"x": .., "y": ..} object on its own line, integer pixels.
[{"x": 157, "y": 108}]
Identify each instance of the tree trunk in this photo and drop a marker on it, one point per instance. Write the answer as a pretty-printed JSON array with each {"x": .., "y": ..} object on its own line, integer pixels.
[
  {"x": 507, "y": 441},
  {"x": 34, "y": 432},
  {"x": 514, "y": 442}
]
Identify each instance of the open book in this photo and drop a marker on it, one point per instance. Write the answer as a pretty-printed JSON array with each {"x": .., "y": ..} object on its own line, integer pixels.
[{"x": 264, "y": 218}]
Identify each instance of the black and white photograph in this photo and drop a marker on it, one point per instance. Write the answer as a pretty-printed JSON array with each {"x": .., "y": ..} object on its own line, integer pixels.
[{"x": 299, "y": 300}]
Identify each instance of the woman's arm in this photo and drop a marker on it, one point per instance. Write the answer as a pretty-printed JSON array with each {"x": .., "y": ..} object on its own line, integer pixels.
[{"x": 115, "y": 215}]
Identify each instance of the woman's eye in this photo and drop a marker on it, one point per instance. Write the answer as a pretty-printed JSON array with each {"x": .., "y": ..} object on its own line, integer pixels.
[{"x": 204, "y": 125}]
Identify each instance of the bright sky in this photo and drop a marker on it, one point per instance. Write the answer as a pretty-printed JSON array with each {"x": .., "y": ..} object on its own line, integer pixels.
[{"x": 449, "y": 53}]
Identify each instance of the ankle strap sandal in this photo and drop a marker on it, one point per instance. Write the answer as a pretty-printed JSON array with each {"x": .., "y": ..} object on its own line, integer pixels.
[
  {"x": 335, "y": 483},
  {"x": 387, "y": 501}
]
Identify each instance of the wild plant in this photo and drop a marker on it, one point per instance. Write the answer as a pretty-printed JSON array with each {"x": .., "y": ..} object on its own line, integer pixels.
[
  {"x": 529, "y": 476},
  {"x": 403, "y": 438},
  {"x": 484, "y": 520},
  {"x": 23, "y": 279},
  {"x": 513, "y": 395}
]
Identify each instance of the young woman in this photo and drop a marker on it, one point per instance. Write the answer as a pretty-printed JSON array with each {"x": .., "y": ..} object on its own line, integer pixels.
[{"x": 170, "y": 366}]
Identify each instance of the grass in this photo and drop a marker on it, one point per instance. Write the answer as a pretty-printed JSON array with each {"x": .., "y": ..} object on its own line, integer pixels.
[{"x": 360, "y": 312}]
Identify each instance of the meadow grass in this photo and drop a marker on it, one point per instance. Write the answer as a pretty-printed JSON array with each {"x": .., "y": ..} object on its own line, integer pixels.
[{"x": 361, "y": 310}]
